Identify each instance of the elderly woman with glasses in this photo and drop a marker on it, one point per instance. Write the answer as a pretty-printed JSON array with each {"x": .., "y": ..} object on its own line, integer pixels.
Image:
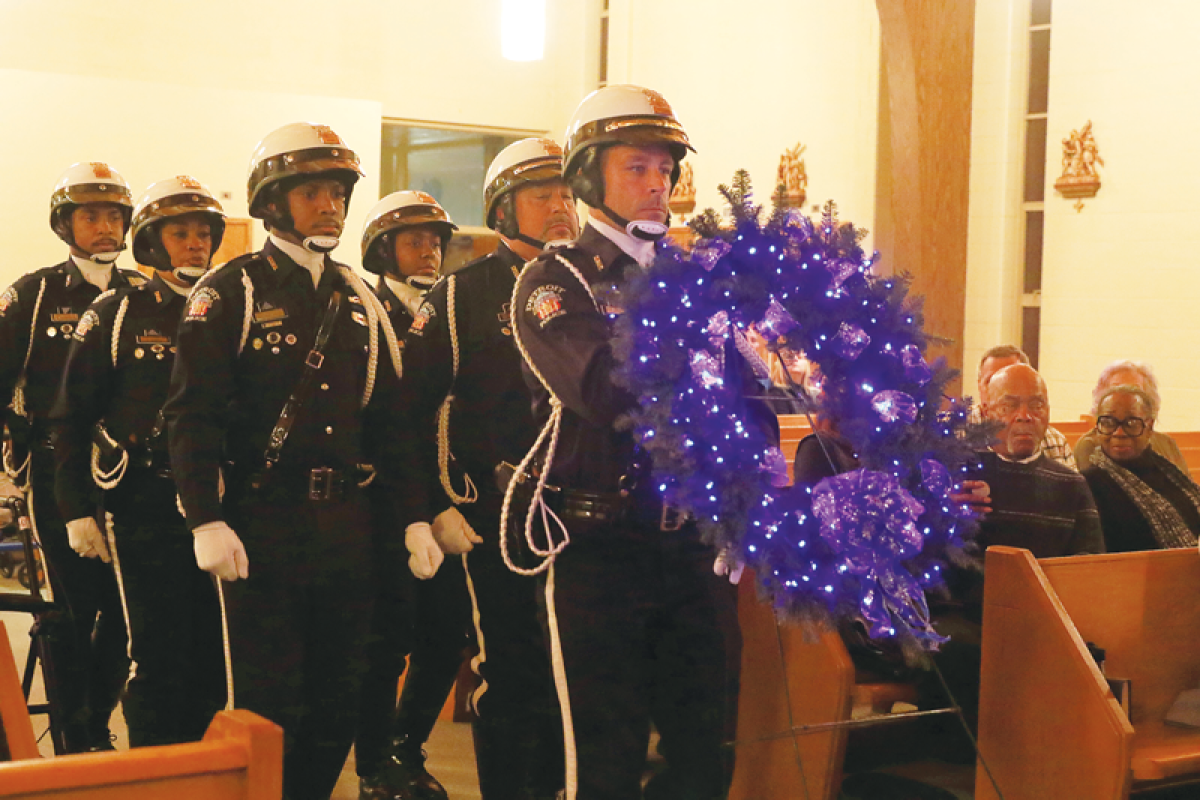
[{"x": 1145, "y": 501}]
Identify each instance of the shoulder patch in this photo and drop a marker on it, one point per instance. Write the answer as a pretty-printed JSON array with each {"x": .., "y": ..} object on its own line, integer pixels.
[
  {"x": 545, "y": 303},
  {"x": 200, "y": 302},
  {"x": 89, "y": 320},
  {"x": 7, "y": 299},
  {"x": 424, "y": 314}
]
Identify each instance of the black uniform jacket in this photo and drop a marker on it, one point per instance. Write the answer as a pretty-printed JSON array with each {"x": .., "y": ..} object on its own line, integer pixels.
[
  {"x": 397, "y": 312},
  {"x": 568, "y": 340},
  {"x": 126, "y": 396},
  {"x": 65, "y": 297},
  {"x": 223, "y": 405},
  {"x": 490, "y": 419}
]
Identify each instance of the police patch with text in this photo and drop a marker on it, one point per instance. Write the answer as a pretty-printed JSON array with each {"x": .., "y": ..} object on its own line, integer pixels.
[
  {"x": 424, "y": 314},
  {"x": 546, "y": 303},
  {"x": 201, "y": 303}
]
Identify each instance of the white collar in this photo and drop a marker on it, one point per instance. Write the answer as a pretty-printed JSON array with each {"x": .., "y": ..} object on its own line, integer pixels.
[
  {"x": 639, "y": 250},
  {"x": 313, "y": 262},
  {"x": 1029, "y": 460},
  {"x": 182, "y": 291},
  {"x": 411, "y": 296},
  {"x": 98, "y": 275}
]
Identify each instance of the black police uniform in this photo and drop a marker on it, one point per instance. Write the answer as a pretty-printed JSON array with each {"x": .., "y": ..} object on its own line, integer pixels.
[
  {"x": 648, "y": 632},
  {"x": 518, "y": 733},
  {"x": 89, "y": 656},
  {"x": 174, "y": 619},
  {"x": 426, "y": 621},
  {"x": 298, "y": 625}
]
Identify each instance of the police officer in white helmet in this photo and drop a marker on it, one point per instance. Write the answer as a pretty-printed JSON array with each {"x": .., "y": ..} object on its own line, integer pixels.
[
  {"x": 648, "y": 633},
  {"x": 404, "y": 238},
  {"x": 280, "y": 424},
  {"x": 90, "y": 209},
  {"x": 463, "y": 362},
  {"x": 113, "y": 436}
]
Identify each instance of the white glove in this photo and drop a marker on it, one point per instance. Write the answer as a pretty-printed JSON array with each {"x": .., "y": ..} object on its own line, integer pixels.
[
  {"x": 424, "y": 555},
  {"x": 453, "y": 533},
  {"x": 220, "y": 551},
  {"x": 728, "y": 563},
  {"x": 86, "y": 539}
]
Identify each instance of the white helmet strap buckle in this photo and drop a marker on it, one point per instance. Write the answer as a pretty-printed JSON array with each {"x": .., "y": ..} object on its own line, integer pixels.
[{"x": 320, "y": 244}]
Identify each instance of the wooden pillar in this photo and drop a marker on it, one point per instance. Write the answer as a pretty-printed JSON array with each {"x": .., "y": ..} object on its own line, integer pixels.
[{"x": 925, "y": 156}]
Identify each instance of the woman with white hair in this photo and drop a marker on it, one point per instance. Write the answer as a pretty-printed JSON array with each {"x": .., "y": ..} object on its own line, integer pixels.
[
  {"x": 1129, "y": 373},
  {"x": 1145, "y": 501}
]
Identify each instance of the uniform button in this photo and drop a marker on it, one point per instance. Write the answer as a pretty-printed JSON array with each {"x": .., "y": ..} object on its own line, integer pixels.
[
  {"x": 329, "y": 429},
  {"x": 324, "y": 387}
]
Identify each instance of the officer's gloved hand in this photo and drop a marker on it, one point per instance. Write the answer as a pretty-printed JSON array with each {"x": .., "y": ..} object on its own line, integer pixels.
[
  {"x": 729, "y": 563},
  {"x": 453, "y": 533},
  {"x": 86, "y": 539},
  {"x": 424, "y": 554},
  {"x": 220, "y": 551}
]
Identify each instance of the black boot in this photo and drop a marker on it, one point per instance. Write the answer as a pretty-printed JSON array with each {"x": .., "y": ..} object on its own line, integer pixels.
[{"x": 403, "y": 774}]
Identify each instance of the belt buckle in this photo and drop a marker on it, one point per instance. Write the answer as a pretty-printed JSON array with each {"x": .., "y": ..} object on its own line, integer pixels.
[
  {"x": 323, "y": 484},
  {"x": 671, "y": 519}
]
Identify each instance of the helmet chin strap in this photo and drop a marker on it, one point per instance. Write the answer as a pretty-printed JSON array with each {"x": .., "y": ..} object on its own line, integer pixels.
[
  {"x": 420, "y": 282},
  {"x": 189, "y": 275},
  {"x": 645, "y": 229},
  {"x": 320, "y": 244},
  {"x": 537, "y": 244},
  {"x": 106, "y": 259}
]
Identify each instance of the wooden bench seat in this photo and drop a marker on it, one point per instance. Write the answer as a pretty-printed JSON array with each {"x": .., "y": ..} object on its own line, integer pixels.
[
  {"x": 1049, "y": 726},
  {"x": 240, "y": 758}
]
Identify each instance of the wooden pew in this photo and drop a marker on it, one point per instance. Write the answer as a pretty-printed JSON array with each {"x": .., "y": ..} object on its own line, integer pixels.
[
  {"x": 779, "y": 668},
  {"x": 240, "y": 758},
  {"x": 16, "y": 730},
  {"x": 1049, "y": 725},
  {"x": 792, "y": 428}
]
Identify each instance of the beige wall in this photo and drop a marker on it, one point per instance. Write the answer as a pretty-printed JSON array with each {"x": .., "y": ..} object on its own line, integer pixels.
[
  {"x": 1119, "y": 277},
  {"x": 162, "y": 88},
  {"x": 751, "y": 79}
]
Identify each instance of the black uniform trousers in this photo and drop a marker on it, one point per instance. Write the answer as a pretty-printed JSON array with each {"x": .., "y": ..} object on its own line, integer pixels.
[
  {"x": 88, "y": 641},
  {"x": 649, "y": 635},
  {"x": 298, "y": 626},
  {"x": 426, "y": 622},
  {"x": 518, "y": 728},
  {"x": 174, "y": 618}
]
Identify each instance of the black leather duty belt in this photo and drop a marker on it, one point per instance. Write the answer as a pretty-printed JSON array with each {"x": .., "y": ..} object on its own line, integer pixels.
[
  {"x": 318, "y": 485},
  {"x": 609, "y": 508}
]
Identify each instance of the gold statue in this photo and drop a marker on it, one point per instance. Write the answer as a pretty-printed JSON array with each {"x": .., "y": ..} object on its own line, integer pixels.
[
  {"x": 1080, "y": 159},
  {"x": 792, "y": 178},
  {"x": 683, "y": 197}
]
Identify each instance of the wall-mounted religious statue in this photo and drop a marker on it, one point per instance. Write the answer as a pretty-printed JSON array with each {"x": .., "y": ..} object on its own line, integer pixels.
[
  {"x": 1081, "y": 158},
  {"x": 792, "y": 181},
  {"x": 683, "y": 198}
]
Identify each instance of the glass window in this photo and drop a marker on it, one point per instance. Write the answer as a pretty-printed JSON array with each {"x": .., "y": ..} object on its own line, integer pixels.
[
  {"x": 1039, "y": 71},
  {"x": 449, "y": 164},
  {"x": 1035, "y": 160}
]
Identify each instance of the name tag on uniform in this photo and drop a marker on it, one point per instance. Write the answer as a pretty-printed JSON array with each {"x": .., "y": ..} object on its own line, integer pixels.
[
  {"x": 64, "y": 315},
  {"x": 269, "y": 316},
  {"x": 152, "y": 337}
]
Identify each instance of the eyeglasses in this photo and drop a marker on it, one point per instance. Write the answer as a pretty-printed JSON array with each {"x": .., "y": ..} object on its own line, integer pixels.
[{"x": 1134, "y": 426}]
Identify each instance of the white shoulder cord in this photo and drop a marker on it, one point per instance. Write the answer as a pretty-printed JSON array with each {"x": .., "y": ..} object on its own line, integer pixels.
[
  {"x": 471, "y": 494},
  {"x": 19, "y": 392},
  {"x": 18, "y": 398},
  {"x": 110, "y": 480},
  {"x": 377, "y": 318},
  {"x": 550, "y": 429}
]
